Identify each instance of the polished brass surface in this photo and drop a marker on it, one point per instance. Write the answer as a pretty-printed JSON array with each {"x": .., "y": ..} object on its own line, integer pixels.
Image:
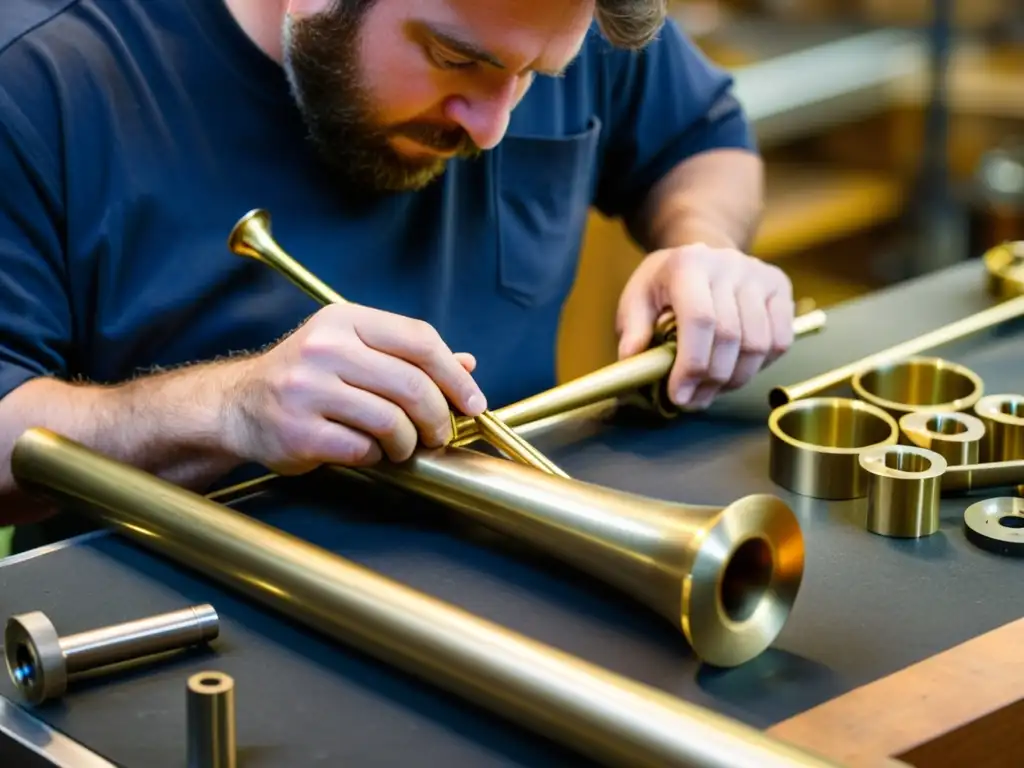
[
  {"x": 497, "y": 433},
  {"x": 251, "y": 237},
  {"x": 39, "y": 661},
  {"x": 975, "y": 477},
  {"x": 918, "y": 384},
  {"x": 614, "y": 720},
  {"x": 980, "y": 321},
  {"x": 645, "y": 373},
  {"x": 1004, "y": 265},
  {"x": 996, "y": 525},
  {"x": 815, "y": 445},
  {"x": 1003, "y": 416},
  {"x": 904, "y": 490},
  {"x": 954, "y": 436},
  {"x": 210, "y": 721}
]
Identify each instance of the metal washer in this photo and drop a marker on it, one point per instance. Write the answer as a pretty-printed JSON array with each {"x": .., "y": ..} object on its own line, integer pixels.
[{"x": 996, "y": 525}]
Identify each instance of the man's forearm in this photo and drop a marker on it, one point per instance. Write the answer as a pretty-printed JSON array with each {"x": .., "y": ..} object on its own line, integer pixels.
[
  {"x": 715, "y": 198},
  {"x": 170, "y": 424}
]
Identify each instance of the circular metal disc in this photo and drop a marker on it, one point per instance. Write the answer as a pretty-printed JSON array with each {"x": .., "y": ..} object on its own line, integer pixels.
[{"x": 996, "y": 525}]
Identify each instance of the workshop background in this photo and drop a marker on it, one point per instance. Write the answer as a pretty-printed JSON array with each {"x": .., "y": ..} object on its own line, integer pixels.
[{"x": 894, "y": 137}]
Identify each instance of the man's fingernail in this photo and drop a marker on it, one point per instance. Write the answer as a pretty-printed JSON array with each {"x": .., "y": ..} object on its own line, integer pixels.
[
  {"x": 685, "y": 392},
  {"x": 477, "y": 404}
]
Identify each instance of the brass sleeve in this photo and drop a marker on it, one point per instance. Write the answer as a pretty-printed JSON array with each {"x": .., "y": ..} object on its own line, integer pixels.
[
  {"x": 210, "y": 719},
  {"x": 1003, "y": 416},
  {"x": 957, "y": 437},
  {"x": 904, "y": 490},
  {"x": 918, "y": 384}
]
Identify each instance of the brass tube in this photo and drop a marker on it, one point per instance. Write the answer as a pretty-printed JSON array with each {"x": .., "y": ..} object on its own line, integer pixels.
[
  {"x": 622, "y": 377},
  {"x": 1003, "y": 417},
  {"x": 955, "y": 436},
  {"x": 1005, "y": 267},
  {"x": 251, "y": 237},
  {"x": 39, "y": 661},
  {"x": 904, "y": 490},
  {"x": 919, "y": 384},
  {"x": 973, "y": 477},
  {"x": 980, "y": 321},
  {"x": 497, "y": 433},
  {"x": 612, "y": 719},
  {"x": 210, "y": 721}
]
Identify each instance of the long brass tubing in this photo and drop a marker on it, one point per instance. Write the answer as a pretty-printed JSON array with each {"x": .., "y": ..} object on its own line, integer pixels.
[
  {"x": 919, "y": 384},
  {"x": 613, "y": 720},
  {"x": 904, "y": 489},
  {"x": 619, "y": 378},
  {"x": 955, "y": 436},
  {"x": 1003, "y": 417},
  {"x": 251, "y": 237},
  {"x": 987, "y": 318},
  {"x": 974, "y": 477}
]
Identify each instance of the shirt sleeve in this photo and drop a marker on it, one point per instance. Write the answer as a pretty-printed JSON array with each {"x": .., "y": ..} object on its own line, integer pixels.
[
  {"x": 662, "y": 105},
  {"x": 35, "y": 311}
]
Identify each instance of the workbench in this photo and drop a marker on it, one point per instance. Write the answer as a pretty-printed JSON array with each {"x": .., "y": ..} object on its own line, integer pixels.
[{"x": 869, "y": 606}]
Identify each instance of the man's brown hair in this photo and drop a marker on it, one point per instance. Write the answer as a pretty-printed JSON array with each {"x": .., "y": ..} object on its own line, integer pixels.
[{"x": 630, "y": 24}]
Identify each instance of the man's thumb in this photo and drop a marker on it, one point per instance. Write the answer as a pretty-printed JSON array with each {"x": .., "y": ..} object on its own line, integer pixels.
[{"x": 636, "y": 319}]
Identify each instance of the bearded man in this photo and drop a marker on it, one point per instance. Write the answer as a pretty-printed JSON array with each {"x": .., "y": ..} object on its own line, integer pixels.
[{"x": 432, "y": 160}]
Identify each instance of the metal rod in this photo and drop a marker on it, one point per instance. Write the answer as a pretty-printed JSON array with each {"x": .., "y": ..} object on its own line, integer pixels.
[
  {"x": 39, "y": 661},
  {"x": 611, "y": 381},
  {"x": 613, "y": 720},
  {"x": 251, "y": 237},
  {"x": 960, "y": 329},
  {"x": 972, "y": 477},
  {"x": 210, "y": 718},
  {"x": 496, "y": 433}
]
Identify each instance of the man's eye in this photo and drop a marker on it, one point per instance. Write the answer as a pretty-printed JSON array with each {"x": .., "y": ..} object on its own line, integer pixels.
[{"x": 447, "y": 60}]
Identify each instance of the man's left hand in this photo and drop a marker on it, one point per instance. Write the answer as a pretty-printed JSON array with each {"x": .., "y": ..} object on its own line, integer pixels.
[{"x": 734, "y": 316}]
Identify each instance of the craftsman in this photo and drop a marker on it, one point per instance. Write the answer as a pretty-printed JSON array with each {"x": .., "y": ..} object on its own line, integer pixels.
[{"x": 434, "y": 162}]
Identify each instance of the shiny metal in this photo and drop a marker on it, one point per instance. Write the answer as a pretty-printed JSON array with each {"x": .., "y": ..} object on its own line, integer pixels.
[
  {"x": 918, "y": 384},
  {"x": 41, "y": 744},
  {"x": 996, "y": 525},
  {"x": 613, "y": 720},
  {"x": 645, "y": 374},
  {"x": 904, "y": 490},
  {"x": 40, "y": 662},
  {"x": 980, "y": 321},
  {"x": 1003, "y": 416},
  {"x": 251, "y": 237},
  {"x": 815, "y": 445},
  {"x": 975, "y": 477},
  {"x": 210, "y": 719},
  {"x": 1004, "y": 265},
  {"x": 497, "y": 433},
  {"x": 955, "y": 436}
]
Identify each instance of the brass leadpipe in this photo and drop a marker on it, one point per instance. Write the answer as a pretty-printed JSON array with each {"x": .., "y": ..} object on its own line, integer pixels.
[
  {"x": 251, "y": 236},
  {"x": 611, "y": 719},
  {"x": 980, "y": 321},
  {"x": 645, "y": 372}
]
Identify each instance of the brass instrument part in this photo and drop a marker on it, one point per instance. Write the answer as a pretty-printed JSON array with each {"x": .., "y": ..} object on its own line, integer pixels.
[
  {"x": 40, "y": 662},
  {"x": 980, "y": 321},
  {"x": 815, "y": 445},
  {"x": 904, "y": 490},
  {"x": 646, "y": 372},
  {"x": 996, "y": 525},
  {"x": 251, "y": 237},
  {"x": 210, "y": 721},
  {"x": 614, "y": 720},
  {"x": 1005, "y": 267},
  {"x": 919, "y": 384},
  {"x": 1003, "y": 416},
  {"x": 975, "y": 477},
  {"x": 497, "y": 433},
  {"x": 955, "y": 436}
]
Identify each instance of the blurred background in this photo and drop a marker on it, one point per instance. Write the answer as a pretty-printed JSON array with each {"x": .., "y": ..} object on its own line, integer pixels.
[{"x": 893, "y": 132}]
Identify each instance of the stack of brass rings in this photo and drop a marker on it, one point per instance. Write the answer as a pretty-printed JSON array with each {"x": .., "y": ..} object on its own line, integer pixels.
[
  {"x": 816, "y": 445},
  {"x": 1003, "y": 416},
  {"x": 919, "y": 384},
  {"x": 904, "y": 490},
  {"x": 956, "y": 437}
]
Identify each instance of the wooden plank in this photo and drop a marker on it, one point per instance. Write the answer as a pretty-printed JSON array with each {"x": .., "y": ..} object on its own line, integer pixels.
[{"x": 958, "y": 708}]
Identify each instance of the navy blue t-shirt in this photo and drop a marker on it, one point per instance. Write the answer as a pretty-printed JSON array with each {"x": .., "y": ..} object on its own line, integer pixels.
[{"x": 135, "y": 133}]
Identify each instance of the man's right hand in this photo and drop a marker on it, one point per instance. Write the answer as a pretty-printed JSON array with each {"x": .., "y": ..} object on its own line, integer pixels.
[{"x": 349, "y": 386}]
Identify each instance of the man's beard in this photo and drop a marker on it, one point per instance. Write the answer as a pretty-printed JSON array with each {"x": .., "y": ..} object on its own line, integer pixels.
[{"x": 321, "y": 59}]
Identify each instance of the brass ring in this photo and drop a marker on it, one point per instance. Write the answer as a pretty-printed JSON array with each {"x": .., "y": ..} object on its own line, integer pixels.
[
  {"x": 816, "y": 445},
  {"x": 956, "y": 437},
  {"x": 919, "y": 384},
  {"x": 904, "y": 490},
  {"x": 1003, "y": 416},
  {"x": 1005, "y": 267}
]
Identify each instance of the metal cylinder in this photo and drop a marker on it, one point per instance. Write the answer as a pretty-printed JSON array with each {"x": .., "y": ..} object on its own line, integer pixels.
[
  {"x": 815, "y": 445},
  {"x": 974, "y": 477},
  {"x": 904, "y": 490},
  {"x": 614, "y": 720},
  {"x": 956, "y": 437},
  {"x": 210, "y": 719},
  {"x": 917, "y": 384},
  {"x": 39, "y": 661},
  {"x": 1003, "y": 416}
]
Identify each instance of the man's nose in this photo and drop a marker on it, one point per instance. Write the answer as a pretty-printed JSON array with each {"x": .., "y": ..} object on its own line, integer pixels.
[{"x": 485, "y": 115}]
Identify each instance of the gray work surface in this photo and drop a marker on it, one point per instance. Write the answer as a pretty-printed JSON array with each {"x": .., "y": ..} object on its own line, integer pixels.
[{"x": 868, "y": 607}]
